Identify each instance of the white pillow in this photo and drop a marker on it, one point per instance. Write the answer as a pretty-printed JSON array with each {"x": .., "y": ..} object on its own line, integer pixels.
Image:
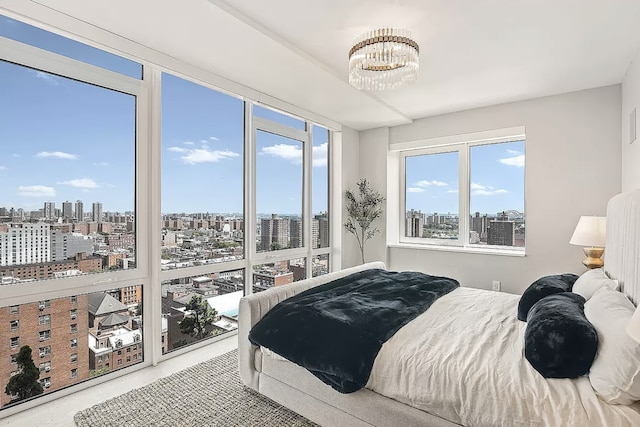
[
  {"x": 591, "y": 281},
  {"x": 615, "y": 372}
]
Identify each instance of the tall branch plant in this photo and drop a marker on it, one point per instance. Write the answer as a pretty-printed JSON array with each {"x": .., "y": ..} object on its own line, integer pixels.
[{"x": 364, "y": 206}]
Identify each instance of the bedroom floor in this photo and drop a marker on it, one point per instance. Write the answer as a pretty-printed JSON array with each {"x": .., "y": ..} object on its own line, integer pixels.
[{"x": 60, "y": 412}]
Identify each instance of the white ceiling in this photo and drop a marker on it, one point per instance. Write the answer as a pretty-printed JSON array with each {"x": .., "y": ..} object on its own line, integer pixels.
[{"x": 472, "y": 53}]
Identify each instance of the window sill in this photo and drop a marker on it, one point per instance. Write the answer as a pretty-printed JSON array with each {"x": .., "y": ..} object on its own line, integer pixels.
[{"x": 461, "y": 249}]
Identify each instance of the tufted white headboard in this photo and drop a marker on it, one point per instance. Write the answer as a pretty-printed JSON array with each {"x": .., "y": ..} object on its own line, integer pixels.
[{"x": 622, "y": 251}]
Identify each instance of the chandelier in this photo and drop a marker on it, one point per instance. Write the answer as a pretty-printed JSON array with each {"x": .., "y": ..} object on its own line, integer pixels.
[{"x": 383, "y": 59}]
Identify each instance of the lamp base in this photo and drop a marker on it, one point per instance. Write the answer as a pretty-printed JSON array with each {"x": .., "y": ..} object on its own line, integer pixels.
[{"x": 593, "y": 259}]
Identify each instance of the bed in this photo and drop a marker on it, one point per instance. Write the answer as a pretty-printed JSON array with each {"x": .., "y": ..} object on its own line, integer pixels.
[{"x": 455, "y": 364}]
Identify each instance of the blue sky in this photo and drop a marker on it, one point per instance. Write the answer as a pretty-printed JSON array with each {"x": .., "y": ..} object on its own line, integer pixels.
[
  {"x": 202, "y": 155},
  {"x": 66, "y": 140},
  {"x": 496, "y": 174}
]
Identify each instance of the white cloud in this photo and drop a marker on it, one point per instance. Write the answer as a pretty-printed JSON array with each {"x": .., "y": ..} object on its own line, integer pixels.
[
  {"x": 101, "y": 164},
  {"x": 201, "y": 155},
  {"x": 488, "y": 192},
  {"x": 58, "y": 155},
  {"x": 485, "y": 190},
  {"x": 285, "y": 151},
  {"x": 204, "y": 141},
  {"x": 517, "y": 161},
  {"x": 85, "y": 183},
  {"x": 320, "y": 155},
  {"x": 36, "y": 191},
  {"x": 293, "y": 153},
  {"x": 49, "y": 78},
  {"x": 513, "y": 151},
  {"x": 178, "y": 149},
  {"x": 434, "y": 183},
  {"x": 16, "y": 155},
  {"x": 452, "y": 191},
  {"x": 415, "y": 190},
  {"x": 214, "y": 138}
]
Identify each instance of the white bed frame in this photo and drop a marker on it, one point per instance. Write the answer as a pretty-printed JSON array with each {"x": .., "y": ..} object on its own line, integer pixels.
[{"x": 295, "y": 388}]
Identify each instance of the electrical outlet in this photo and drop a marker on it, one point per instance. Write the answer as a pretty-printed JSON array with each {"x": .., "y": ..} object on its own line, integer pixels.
[{"x": 496, "y": 285}]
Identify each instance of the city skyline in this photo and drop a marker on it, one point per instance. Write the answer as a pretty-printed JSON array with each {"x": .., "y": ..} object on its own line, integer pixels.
[{"x": 59, "y": 207}]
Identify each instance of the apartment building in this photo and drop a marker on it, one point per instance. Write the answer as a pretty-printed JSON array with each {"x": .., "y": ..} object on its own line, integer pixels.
[{"x": 57, "y": 331}]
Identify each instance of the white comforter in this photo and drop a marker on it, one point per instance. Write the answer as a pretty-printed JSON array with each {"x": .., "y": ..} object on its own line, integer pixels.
[{"x": 463, "y": 360}]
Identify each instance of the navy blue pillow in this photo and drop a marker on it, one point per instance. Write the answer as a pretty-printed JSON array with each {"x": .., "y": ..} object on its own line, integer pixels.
[
  {"x": 559, "y": 341},
  {"x": 547, "y": 285}
]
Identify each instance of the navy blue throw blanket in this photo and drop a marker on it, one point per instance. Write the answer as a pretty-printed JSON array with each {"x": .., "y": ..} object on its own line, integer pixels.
[{"x": 336, "y": 330}]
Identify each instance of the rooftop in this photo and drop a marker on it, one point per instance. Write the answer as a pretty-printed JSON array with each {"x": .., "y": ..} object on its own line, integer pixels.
[{"x": 101, "y": 303}]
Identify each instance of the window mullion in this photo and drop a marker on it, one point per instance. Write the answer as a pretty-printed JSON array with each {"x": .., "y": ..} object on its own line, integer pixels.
[
  {"x": 464, "y": 188},
  {"x": 335, "y": 200},
  {"x": 403, "y": 197},
  {"x": 150, "y": 194},
  {"x": 307, "y": 194},
  {"x": 250, "y": 214}
]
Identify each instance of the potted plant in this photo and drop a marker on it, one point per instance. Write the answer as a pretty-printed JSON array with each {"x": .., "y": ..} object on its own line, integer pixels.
[{"x": 364, "y": 206}]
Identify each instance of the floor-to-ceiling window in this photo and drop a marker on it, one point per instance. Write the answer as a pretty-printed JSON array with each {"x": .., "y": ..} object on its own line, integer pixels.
[
  {"x": 101, "y": 273},
  {"x": 203, "y": 217},
  {"x": 72, "y": 268}
]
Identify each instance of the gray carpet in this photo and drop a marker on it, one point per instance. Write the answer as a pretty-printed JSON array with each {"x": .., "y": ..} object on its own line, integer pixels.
[{"x": 207, "y": 394}]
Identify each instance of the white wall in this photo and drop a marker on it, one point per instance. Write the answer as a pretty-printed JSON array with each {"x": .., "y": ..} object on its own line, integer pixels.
[
  {"x": 373, "y": 167},
  {"x": 572, "y": 168},
  {"x": 350, "y": 176},
  {"x": 631, "y": 151}
]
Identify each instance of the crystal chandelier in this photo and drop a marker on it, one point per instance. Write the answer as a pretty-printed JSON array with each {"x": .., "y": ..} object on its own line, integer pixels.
[{"x": 383, "y": 59}]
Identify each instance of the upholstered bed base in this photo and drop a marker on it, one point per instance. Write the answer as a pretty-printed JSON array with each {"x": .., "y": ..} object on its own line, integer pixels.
[{"x": 295, "y": 388}]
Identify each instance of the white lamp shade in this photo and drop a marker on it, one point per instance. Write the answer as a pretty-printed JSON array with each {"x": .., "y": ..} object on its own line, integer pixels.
[
  {"x": 633, "y": 328},
  {"x": 590, "y": 231}
]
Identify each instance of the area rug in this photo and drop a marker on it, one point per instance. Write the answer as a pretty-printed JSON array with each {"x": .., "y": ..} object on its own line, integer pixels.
[{"x": 207, "y": 394}]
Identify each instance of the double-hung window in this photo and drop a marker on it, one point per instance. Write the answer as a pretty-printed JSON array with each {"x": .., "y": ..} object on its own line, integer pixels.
[{"x": 468, "y": 194}]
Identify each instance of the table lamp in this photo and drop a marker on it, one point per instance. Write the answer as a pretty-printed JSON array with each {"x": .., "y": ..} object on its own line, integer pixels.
[{"x": 590, "y": 233}]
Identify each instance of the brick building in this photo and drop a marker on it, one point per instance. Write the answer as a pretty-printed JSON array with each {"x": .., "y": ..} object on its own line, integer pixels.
[
  {"x": 131, "y": 295},
  {"x": 173, "y": 223},
  {"x": 110, "y": 260},
  {"x": 120, "y": 241},
  {"x": 267, "y": 278},
  {"x": 47, "y": 270},
  {"x": 57, "y": 332},
  {"x": 501, "y": 233},
  {"x": 115, "y": 348},
  {"x": 113, "y": 341},
  {"x": 86, "y": 228}
]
